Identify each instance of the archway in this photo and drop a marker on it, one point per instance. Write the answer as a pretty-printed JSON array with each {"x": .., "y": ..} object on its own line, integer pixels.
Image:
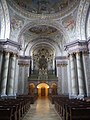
[
  {"x": 31, "y": 89},
  {"x": 42, "y": 89},
  {"x": 53, "y": 89}
]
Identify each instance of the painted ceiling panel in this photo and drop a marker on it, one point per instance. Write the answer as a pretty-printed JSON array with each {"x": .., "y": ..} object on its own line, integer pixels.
[
  {"x": 44, "y": 6},
  {"x": 43, "y": 29}
]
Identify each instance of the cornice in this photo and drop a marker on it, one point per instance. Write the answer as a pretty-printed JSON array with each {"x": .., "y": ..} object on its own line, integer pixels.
[
  {"x": 24, "y": 61},
  {"x": 61, "y": 61},
  {"x": 9, "y": 45},
  {"x": 25, "y": 57},
  {"x": 63, "y": 64},
  {"x": 60, "y": 57},
  {"x": 77, "y": 46},
  {"x": 76, "y": 42},
  {"x": 5, "y": 42}
]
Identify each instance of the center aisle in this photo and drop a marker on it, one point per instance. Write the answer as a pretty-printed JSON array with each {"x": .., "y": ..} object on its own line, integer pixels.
[{"x": 42, "y": 109}]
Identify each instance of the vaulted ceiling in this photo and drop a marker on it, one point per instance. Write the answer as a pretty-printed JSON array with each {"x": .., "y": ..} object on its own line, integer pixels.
[
  {"x": 44, "y": 6},
  {"x": 43, "y": 25}
]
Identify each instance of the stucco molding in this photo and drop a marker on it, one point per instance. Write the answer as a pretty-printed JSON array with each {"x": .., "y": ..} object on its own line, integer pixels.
[
  {"x": 9, "y": 45},
  {"x": 76, "y": 46}
]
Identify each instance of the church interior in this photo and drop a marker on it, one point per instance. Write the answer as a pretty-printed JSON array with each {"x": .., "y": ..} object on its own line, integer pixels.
[{"x": 44, "y": 59}]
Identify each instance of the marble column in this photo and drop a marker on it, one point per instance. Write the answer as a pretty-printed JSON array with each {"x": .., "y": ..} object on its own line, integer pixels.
[
  {"x": 26, "y": 75},
  {"x": 4, "y": 73},
  {"x": 80, "y": 75},
  {"x": 16, "y": 77},
  {"x": 32, "y": 64},
  {"x": 64, "y": 79},
  {"x": 1, "y": 61},
  {"x": 10, "y": 85},
  {"x": 57, "y": 71},
  {"x": 21, "y": 78},
  {"x": 53, "y": 65},
  {"x": 73, "y": 77},
  {"x": 59, "y": 90}
]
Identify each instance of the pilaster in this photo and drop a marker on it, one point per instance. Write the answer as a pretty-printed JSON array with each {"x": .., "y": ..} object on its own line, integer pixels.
[
  {"x": 24, "y": 65},
  {"x": 61, "y": 62}
]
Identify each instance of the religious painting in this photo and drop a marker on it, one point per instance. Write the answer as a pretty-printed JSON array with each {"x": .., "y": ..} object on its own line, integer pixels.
[{"x": 44, "y": 6}]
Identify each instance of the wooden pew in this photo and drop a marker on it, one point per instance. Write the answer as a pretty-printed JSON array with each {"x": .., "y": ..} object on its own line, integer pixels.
[
  {"x": 78, "y": 113},
  {"x": 17, "y": 107},
  {"x": 72, "y": 109},
  {"x": 6, "y": 113}
]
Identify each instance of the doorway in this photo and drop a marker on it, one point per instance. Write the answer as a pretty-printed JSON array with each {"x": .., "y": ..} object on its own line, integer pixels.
[
  {"x": 43, "y": 92},
  {"x": 43, "y": 89}
]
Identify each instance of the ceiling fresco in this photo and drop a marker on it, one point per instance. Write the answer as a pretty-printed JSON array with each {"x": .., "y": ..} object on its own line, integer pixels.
[
  {"x": 44, "y": 6},
  {"x": 43, "y": 29}
]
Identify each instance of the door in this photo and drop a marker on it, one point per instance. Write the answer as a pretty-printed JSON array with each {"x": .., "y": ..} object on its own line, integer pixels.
[{"x": 43, "y": 91}]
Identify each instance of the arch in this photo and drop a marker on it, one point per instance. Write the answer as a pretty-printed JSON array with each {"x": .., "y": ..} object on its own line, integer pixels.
[
  {"x": 81, "y": 20},
  {"x": 36, "y": 22},
  {"x": 88, "y": 24},
  {"x": 43, "y": 89},
  {"x": 47, "y": 42},
  {"x": 5, "y": 20},
  {"x": 37, "y": 43}
]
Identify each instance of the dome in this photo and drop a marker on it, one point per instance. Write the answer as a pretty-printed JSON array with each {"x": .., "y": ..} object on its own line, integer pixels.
[{"x": 44, "y": 6}]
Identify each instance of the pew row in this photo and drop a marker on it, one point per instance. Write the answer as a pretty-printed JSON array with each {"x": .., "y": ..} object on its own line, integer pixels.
[
  {"x": 15, "y": 108},
  {"x": 72, "y": 109}
]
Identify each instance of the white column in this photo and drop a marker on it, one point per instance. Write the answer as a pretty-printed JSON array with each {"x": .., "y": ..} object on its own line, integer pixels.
[
  {"x": 69, "y": 78},
  {"x": 4, "y": 74},
  {"x": 10, "y": 85},
  {"x": 86, "y": 63},
  {"x": 53, "y": 65},
  {"x": 73, "y": 77},
  {"x": 26, "y": 71},
  {"x": 32, "y": 64},
  {"x": 21, "y": 78},
  {"x": 16, "y": 77},
  {"x": 64, "y": 79},
  {"x": 1, "y": 60},
  {"x": 80, "y": 75},
  {"x": 59, "y": 90},
  {"x": 57, "y": 71}
]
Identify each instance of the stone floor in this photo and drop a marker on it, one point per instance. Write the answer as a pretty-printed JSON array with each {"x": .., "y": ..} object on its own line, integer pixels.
[{"x": 42, "y": 109}]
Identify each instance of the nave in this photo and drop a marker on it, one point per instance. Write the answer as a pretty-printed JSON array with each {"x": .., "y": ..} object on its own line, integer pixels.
[{"x": 42, "y": 109}]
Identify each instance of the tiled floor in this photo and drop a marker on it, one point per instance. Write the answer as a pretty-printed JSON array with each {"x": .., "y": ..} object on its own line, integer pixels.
[{"x": 42, "y": 109}]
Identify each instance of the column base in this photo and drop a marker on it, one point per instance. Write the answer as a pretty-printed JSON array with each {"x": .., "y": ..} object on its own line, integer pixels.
[
  {"x": 4, "y": 96},
  {"x": 11, "y": 96},
  {"x": 72, "y": 96},
  {"x": 80, "y": 96}
]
